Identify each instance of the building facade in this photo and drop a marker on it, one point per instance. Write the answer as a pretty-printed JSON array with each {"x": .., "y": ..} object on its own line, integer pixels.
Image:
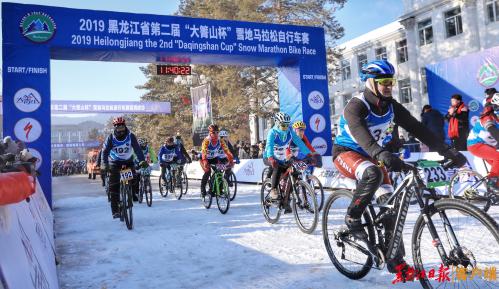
[
  {"x": 73, "y": 133},
  {"x": 429, "y": 31}
]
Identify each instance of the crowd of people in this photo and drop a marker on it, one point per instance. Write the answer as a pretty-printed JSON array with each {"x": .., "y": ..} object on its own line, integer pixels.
[
  {"x": 68, "y": 167},
  {"x": 14, "y": 157}
]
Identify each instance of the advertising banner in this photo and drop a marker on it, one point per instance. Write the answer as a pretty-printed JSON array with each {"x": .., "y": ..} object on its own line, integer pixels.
[
  {"x": 84, "y": 144},
  {"x": 201, "y": 112},
  {"x": 77, "y": 106}
]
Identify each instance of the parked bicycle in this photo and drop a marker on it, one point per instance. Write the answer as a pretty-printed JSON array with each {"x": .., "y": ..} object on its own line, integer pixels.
[
  {"x": 126, "y": 198},
  {"x": 448, "y": 232},
  {"x": 145, "y": 188},
  {"x": 295, "y": 190},
  {"x": 218, "y": 188}
]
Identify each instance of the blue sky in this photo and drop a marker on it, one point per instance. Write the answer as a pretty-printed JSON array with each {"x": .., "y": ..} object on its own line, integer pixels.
[{"x": 117, "y": 81}]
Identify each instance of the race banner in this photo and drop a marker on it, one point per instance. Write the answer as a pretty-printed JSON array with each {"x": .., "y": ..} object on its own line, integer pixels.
[
  {"x": 83, "y": 144},
  {"x": 201, "y": 112},
  {"x": 142, "y": 107}
]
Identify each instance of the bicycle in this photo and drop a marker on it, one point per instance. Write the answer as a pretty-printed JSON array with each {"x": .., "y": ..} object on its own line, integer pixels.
[
  {"x": 469, "y": 185},
  {"x": 126, "y": 198},
  {"x": 145, "y": 187},
  {"x": 302, "y": 196},
  {"x": 444, "y": 220},
  {"x": 218, "y": 188}
]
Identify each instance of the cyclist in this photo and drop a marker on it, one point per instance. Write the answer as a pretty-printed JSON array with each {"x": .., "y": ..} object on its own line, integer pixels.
[
  {"x": 171, "y": 153},
  {"x": 214, "y": 150},
  {"x": 279, "y": 138},
  {"x": 483, "y": 139},
  {"x": 225, "y": 136},
  {"x": 148, "y": 152},
  {"x": 118, "y": 151},
  {"x": 365, "y": 129}
]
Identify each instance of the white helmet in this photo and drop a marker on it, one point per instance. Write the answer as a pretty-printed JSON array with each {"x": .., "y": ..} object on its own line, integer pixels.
[
  {"x": 495, "y": 99},
  {"x": 223, "y": 133},
  {"x": 282, "y": 118}
]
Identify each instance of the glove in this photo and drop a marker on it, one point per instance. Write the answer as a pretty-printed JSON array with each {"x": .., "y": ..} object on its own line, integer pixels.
[
  {"x": 143, "y": 164},
  {"x": 458, "y": 159},
  {"x": 237, "y": 161},
  {"x": 391, "y": 162},
  {"x": 273, "y": 162},
  {"x": 205, "y": 166}
]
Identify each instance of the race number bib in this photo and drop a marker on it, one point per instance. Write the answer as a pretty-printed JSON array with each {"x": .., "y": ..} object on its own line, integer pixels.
[
  {"x": 280, "y": 153},
  {"x": 382, "y": 133},
  {"x": 168, "y": 157},
  {"x": 435, "y": 175},
  {"x": 126, "y": 175}
]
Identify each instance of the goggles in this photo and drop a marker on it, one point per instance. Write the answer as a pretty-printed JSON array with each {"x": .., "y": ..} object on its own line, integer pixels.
[
  {"x": 284, "y": 126},
  {"x": 386, "y": 81}
]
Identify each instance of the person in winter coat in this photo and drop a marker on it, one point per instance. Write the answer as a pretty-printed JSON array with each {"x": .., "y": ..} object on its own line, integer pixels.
[
  {"x": 457, "y": 116},
  {"x": 433, "y": 120}
]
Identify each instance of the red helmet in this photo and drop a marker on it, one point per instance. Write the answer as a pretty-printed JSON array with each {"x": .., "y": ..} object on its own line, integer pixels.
[
  {"x": 119, "y": 120},
  {"x": 213, "y": 128}
]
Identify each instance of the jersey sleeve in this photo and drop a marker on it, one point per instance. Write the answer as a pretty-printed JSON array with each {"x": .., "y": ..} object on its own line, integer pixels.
[
  {"x": 269, "y": 147},
  {"x": 307, "y": 143},
  {"x": 299, "y": 142},
  {"x": 226, "y": 150},
  {"x": 204, "y": 148}
]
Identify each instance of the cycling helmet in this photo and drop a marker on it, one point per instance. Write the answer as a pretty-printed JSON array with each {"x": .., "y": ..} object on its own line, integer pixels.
[
  {"x": 169, "y": 139},
  {"x": 282, "y": 118},
  {"x": 213, "y": 128},
  {"x": 299, "y": 124},
  {"x": 119, "y": 120},
  {"x": 142, "y": 142},
  {"x": 224, "y": 133},
  {"x": 376, "y": 69}
]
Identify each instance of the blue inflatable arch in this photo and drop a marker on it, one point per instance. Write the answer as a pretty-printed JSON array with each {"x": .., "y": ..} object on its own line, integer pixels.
[{"x": 32, "y": 35}]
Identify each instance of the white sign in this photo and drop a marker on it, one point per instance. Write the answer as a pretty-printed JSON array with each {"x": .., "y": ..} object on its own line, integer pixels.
[
  {"x": 37, "y": 155},
  {"x": 27, "y": 129},
  {"x": 27, "y": 99},
  {"x": 320, "y": 145},
  {"x": 317, "y": 123},
  {"x": 316, "y": 99}
]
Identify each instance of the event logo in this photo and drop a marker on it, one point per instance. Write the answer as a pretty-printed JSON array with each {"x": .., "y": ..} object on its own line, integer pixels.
[
  {"x": 249, "y": 170},
  {"x": 316, "y": 100},
  {"x": 27, "y": 129},
  {"x": 38, "y": 157},
  {"x": 37, "y": 27},
  {"x": 474, "y": 105},
  {"x": 488, "y": 74},
  {"x": 27, "y": 99},
  {"x": 317, "y": 123},
  {"x": 320, "y": 145}
]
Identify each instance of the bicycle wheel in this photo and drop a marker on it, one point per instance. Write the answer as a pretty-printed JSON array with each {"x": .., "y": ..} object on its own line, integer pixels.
[
  {"x": 470, "y": 240},
  {"x": 305, "y": 207},
  {"x": 141, "y": 190},
  {"x": 177, "y": 186},
  {"x": 207, "y": 198},
  {"x": 185, "y": 182},
  {"x": 107, "y": 188},
  {"x": 316, "y": 185},
  {"x": 350, "y": 261},
  {"x": 148, "y": 190},
  {"x": 469, "y": 186},
  {"x": 163, "y": 189},
  {"x": 128, "y": 205},
  {"x": 223, "y": 195},
  {"x": 271, "y": 210},
  {"x": 232, "y": 186},
  {"x": 264, "y": 173}
]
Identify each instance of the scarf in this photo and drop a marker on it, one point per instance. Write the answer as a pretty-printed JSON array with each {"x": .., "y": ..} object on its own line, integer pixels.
[{"x": 453, "y": 131}]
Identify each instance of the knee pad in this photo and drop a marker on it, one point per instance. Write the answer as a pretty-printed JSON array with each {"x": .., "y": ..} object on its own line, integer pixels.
[{"x": 373, "y": 175}]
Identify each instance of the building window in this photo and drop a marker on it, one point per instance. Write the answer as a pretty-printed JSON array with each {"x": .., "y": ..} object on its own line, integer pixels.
[
  {"x": 402, "y": 55},
  {"x": 346, "y": 99},
  {"x": 425, "y": 32},
  {"x": 424, "y": 85},
  {"x": 361, "y": 60},
  {"x": 453, "y": 22},
  {"x": 405, "y": 90},
  {"x": 493, "y": 10},
  {"x": 380, "y": 53},
  {"x": 345, "y": 70}
]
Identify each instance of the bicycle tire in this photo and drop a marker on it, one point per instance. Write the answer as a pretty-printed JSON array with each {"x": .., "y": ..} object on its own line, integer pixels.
[
  {"x": 128, "y": 206},
  {"x": 148, "y": 191},
  {"x": 439, "y": 206},
  {"x": 185, "y": 181},
  {"x": 319, "y": 192},
  {"x": 122, "y": 202},
  {"x": 266, "y": 203},
  {"x": 366, "y": 267},
  {"x": 178, "y": 189},
  {"x": 264, "y": 173},
  {"x": 452, "y": 194},
  {"x": 223, "y": 194},
  {"x": 163, "y": 189},
  {"x": 296, "y": 208},
  {"x": 207, "y": 198},
  {"x": 141, "y": 190},
  {"x": 233, "y": 191},
  {"x": 107, "y": 188}
]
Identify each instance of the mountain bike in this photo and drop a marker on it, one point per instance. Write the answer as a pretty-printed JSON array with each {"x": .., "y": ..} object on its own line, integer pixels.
[
  {"x": 448, "y": 232},
  {"x": 126, "y": 198},
  {"x": 298, "y": 192},
  {"x": 218, "y": 188},
  {"x": 145, "y": 187}
]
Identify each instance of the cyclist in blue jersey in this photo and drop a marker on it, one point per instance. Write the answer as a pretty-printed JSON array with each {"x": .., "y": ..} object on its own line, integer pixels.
[
  {"x": 171, "y": 153},
  {"x": 360, "y": 150},
  {"x": 118, "y": 151},
  {"x": 279, "y": 138}
]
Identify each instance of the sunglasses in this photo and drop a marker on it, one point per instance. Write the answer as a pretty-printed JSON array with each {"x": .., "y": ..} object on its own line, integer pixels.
[{"x": 386, "y": 81}]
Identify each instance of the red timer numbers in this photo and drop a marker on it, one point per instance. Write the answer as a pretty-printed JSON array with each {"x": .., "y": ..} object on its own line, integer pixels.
[{"x": 174, "y": 69}]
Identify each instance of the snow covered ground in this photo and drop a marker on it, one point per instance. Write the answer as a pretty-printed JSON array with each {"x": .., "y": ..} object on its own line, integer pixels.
[{"x": 180, "y": 244}]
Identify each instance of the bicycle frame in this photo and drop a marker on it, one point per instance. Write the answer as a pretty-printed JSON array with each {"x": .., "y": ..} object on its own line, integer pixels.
[{"x": 217, "y": 176}]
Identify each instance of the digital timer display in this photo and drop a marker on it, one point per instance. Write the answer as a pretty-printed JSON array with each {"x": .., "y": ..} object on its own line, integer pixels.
[{"x": 174, "y": 70}]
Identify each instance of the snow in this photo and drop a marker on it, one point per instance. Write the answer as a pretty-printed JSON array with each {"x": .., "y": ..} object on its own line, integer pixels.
[{"x": 180, "y": 244}]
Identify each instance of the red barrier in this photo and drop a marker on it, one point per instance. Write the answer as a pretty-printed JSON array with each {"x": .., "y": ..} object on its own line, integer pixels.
[{"x": 15, "y": 187}]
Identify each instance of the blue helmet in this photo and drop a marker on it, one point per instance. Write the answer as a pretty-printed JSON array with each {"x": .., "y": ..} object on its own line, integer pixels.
[{"x": 377, "y": 68}]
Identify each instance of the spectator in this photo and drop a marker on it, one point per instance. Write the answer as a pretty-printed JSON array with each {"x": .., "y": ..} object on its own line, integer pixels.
[
  {"x": 261, "y": 148},
  {"x": 433, "y": 120},
  {"x": 254, "y": 151},
  {"x": 242, "y": 153},
  {"x": 457, "y": 116}
]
